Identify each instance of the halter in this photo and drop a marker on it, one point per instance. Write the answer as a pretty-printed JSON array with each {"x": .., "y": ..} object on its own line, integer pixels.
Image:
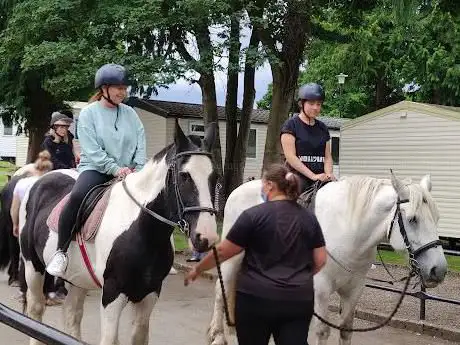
[
  {"x": 412, "y": 253},
  {"x": 182, "y": 209}
]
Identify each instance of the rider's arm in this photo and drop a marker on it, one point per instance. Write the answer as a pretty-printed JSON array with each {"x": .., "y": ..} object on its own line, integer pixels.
[
  {"x": 289, "y": 150},
  {"x": 328, "y": 159},
  {"x": 139, "y": 157}
]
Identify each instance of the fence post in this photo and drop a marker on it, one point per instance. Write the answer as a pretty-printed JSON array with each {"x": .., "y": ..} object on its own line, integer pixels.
[{"x": 422, "y": 303}]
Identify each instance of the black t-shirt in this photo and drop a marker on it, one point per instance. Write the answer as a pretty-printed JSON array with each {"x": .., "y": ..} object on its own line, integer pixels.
[
  {"x": 310, "y": 142},
  {"x": 278, "y": 238},
  {"x": 61, "y": 153}
]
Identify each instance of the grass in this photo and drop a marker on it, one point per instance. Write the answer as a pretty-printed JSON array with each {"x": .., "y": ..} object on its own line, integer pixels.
[
  {"x": 395, "y": 258},
  {"x": 181, "y": 242},
  {"x": 5, "y": 168}
]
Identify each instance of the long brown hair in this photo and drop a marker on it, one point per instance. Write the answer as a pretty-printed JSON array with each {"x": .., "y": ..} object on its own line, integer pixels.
[
  {"x": 96, "y": 97},
  {"x": 43, "y": 162},
  {"x": 287, "y": 182}
]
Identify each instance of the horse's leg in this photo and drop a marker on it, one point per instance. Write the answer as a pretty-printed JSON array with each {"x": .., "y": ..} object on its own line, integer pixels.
[
  {"x": 323, "y": 291},
  {"x": 113, "y": 303},
  {"x": 142, "y": 311},
  {"x": 13, "y": 269},
  {"x": 348, "y": 300},
  {"x": 230, "y": 268},
  {"x": 73, "y": 310},
  {"x": 35, "y": 297}
]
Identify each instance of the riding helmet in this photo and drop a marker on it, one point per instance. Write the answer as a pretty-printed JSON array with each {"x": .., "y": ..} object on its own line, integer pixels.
[
  {"x": 110, "y": 74},
  {"x": 58, "y": 118},
  {"x": 311, "y": 92}
]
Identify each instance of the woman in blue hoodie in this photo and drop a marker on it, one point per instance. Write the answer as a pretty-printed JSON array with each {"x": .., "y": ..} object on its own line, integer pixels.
[{"x": 112, "y": 144}]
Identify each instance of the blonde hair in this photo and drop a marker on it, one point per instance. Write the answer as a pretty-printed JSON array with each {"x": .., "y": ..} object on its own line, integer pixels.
[
  {"x": 43, "y": 162},
  {"x": 96, "y": 97}
]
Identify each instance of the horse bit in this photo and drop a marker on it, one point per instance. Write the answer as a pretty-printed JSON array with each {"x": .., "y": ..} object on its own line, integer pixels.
[{"x": 182, "y": 224}]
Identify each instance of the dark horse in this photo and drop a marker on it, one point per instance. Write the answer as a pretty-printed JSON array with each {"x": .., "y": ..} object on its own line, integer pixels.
[
  {"x": 131, "y": 254},
  {"x": 9, "y": 244}
]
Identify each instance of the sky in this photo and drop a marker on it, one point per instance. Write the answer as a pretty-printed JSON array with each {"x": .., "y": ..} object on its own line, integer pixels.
[{"x": 182, "y": 91}]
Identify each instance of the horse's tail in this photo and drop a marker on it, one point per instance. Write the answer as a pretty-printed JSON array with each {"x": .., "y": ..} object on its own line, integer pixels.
[{"x": 5, "y": 230}]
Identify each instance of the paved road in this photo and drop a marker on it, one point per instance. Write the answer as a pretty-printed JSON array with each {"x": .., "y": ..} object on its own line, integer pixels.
[{"x": 181, "y": 317}]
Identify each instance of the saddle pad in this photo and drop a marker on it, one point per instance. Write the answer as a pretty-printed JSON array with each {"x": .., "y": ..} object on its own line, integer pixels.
[{"x": 91, "y": 226}]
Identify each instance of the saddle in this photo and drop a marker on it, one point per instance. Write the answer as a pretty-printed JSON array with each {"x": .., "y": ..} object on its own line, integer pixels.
[
  {"x": 307, "y": 198},
  {"x": 89, "y": 214}
]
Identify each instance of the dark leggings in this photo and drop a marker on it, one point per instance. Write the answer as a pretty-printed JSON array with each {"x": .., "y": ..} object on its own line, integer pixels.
[
  {"x": 86, "y": 180},
  {"x": 256, "y": 319}
]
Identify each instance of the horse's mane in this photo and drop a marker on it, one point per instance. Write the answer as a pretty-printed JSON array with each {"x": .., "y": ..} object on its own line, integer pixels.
[
  {"x": 363, "y": 190},
  {"x": 195, "y": 143}
]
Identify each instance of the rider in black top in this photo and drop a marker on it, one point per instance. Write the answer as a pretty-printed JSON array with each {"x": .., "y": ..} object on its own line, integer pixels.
[{"x": 306, "y": 140}]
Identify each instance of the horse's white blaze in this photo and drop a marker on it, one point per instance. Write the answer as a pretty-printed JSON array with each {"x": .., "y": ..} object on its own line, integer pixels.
[{"x": 200, "y": 169}]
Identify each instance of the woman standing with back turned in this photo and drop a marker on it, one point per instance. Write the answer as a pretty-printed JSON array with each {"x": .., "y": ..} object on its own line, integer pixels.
[
  {"x": 284, "y": 249},
  {"x": 112, "y": 142}
]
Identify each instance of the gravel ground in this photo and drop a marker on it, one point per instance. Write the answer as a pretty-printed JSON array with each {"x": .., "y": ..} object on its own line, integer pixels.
[
  {"x": 437, "y": 313},
  {"x": 382, "y": 302}
]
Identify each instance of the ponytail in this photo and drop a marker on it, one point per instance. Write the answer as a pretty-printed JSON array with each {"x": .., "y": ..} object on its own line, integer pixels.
[
  {"x": 287, "y": 182},
  {"x": 43, "y": 162},
  {"x": 96, "y": 97}
]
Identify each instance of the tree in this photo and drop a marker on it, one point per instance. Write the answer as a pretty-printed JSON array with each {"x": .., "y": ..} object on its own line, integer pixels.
[{"x": 51, "y": 50}]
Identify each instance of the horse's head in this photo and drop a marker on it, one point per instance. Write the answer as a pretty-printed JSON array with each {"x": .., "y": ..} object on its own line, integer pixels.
[
  {"x": 192, "y": 185},
  {"x": 418, "y": 232}
]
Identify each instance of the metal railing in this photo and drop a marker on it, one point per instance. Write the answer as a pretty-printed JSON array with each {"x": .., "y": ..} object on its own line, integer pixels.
[
  {"x": 421, "y": 295},
  {"x": 35, "y": 329}
]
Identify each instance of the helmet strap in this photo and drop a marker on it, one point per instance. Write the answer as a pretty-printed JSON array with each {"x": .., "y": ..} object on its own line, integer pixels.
[
  {"x": 311, "y": 121},
  {"x": 111, "y": 102}
]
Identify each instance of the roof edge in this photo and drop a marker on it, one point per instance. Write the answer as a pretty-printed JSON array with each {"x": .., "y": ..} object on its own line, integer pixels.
[{"x": 428, "y": 109}]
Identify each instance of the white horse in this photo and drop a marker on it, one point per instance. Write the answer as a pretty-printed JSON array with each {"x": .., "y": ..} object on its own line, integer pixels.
[{"x": 355, "y": 214}]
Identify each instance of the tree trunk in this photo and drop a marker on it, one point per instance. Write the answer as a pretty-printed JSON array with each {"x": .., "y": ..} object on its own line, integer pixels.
[
  {"x": 41, "y": 105},
  {"x": 231, "y": 104},
  {"x": 283, "y": 93},
  {"x": 208, "y": 90},
  {"x": 285, "y": 68},
  {"x": 239, "y": 157}
]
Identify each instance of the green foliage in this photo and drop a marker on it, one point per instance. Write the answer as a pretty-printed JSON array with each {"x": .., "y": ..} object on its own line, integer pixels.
[{"x": 383, "y": 54}]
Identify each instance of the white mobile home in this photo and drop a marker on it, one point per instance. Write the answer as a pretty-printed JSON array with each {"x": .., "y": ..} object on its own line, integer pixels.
[{"x": 413, "y": 139}]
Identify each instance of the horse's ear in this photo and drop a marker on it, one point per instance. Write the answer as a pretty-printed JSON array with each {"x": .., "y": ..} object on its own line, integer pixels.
[
  {"x": 210, "y": 136},
  {"x": 425, "y": 182},
  {"x": 399, "y": 186},
  {"x": 180, "y": 140}
]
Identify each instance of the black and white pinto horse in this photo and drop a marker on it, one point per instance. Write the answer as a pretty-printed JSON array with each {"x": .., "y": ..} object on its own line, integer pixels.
[{"x": 131, "y": 253}]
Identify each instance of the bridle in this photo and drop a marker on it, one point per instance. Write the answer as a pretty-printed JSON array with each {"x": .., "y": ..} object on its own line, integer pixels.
[
  {"x": 182, "y": 209},
  {"x": 413, "y": 253}
]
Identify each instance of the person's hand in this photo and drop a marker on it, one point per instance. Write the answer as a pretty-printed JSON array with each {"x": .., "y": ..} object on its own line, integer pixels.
[
  {"x": 16, "y": 230},
  {"x": 321, "y": 177},
  {"x": 77, "y": 159},
  {"x": 123, "y": 172},
  {"x": 331, "y": 177},
  {"x": 190, "y": 276}
]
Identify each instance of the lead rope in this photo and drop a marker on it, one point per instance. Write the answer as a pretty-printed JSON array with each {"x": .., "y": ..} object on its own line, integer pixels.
[{"x": 222, "y": 287}]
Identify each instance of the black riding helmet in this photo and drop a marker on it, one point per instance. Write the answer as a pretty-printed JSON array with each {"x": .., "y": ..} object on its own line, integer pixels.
[
  {"x": 311, "y": 92},
  {"x": 111, "y": 74}
]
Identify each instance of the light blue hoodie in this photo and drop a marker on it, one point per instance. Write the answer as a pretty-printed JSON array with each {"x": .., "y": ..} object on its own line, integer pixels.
[{"x": 108, "y": 142}]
